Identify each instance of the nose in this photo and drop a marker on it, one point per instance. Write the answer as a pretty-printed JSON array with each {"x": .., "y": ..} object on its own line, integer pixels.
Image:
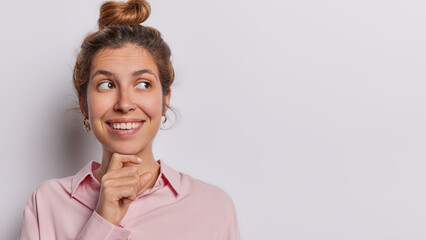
[{"x": 124, "y": 102}]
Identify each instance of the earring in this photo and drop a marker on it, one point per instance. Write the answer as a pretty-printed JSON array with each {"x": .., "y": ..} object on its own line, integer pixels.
[
  {"x": 86, "y": 124},
  {"x": 165, "y": 119}
]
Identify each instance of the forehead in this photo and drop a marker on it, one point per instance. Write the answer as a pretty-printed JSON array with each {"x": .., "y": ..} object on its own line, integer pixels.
[{"x": 126, "y": 59}]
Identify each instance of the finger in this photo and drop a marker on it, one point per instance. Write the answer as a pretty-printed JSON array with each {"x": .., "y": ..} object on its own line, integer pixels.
[
  {"x": 122, "y": 172},
  {"x": 123, "y": 181},
  {"x": 117, "y": 193},
  {"x": 145, "y": 178},
  {"x": 128, "y": 192},
  {"x": 117, "y": 160},
  {"x": 126, "y": 201}
]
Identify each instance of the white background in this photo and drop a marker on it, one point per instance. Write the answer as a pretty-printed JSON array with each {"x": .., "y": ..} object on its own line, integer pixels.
[{"x": 309, "y": 114}]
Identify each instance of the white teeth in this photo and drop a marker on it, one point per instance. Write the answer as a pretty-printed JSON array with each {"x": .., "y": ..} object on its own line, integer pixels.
[{"x": 125, "y": 125}]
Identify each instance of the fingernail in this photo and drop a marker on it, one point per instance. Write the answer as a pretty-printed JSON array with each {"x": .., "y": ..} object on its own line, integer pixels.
[{"x": 139, "y": 160}]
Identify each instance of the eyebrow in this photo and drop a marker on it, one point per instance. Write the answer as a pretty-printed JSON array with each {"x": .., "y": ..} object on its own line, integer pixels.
[{"x": 110, "y": 74}]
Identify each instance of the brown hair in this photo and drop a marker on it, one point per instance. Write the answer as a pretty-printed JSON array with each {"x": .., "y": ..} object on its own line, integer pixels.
[{"x": 119, "y": 24}]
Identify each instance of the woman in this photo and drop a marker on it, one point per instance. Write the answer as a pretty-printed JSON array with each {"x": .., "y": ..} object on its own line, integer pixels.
[{"x": 122, "y": 78}]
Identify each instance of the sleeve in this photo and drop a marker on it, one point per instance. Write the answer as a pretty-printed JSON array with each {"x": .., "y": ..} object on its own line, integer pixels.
[
  {"x": 97, "y": 228},
  {"x": 30, "y": 226},
  {"x": 233, "y": 232}
]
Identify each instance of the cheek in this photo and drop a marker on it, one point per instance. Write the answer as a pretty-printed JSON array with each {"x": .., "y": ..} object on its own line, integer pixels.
[
  {"x": 97, "y": 106},
  {"x": 151, "y": 105}
]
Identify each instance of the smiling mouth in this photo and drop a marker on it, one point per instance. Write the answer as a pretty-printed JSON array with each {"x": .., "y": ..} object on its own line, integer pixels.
[{"x": 125, "y": 126}]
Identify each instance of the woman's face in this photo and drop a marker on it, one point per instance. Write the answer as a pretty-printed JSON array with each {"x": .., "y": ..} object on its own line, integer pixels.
[{"x": 124, "y": 99}]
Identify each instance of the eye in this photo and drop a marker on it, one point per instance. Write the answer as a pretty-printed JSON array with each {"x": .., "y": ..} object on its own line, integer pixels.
[
  {"x": 143, "y": 85},
  {"x": 106, "y": 85}
]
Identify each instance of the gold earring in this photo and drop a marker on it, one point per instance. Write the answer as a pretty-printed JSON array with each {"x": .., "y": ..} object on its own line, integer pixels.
[
  {"x": 86, "y": 124},
  {"x": 164, "y": 121}
]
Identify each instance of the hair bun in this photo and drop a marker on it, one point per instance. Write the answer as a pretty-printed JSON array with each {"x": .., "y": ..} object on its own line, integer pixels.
[{"x": 132, "y": 12}]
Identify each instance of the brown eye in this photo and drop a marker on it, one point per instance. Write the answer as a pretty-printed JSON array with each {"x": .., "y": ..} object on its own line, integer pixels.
[
  {"x": 106, "y": 85},
  {"x": 143, "y": 85}
]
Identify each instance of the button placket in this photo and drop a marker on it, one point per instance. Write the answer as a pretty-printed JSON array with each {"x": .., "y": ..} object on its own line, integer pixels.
[
  {"x": 127, "y": 219},
  {"x": 134, "y": 209}
]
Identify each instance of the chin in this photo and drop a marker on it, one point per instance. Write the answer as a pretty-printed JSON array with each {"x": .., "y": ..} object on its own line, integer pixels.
[{"x": 126, "y": 148}]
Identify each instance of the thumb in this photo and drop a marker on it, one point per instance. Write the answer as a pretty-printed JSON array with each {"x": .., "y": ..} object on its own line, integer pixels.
[{"x": 145, "y": 178}]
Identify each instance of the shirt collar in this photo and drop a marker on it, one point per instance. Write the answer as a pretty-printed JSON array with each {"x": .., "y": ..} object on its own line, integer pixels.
[
  {"x": 78, "y": 178},
  {"x": 172, "y": 176}
]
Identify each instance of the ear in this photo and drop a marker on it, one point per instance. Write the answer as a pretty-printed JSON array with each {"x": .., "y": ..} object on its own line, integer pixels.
[
  {"x": 167, "y": 100},
  {"x": 82, "y": 107}
]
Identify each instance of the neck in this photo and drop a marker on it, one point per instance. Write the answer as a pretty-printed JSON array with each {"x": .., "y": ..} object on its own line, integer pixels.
[{"x": 148, "y": 164}]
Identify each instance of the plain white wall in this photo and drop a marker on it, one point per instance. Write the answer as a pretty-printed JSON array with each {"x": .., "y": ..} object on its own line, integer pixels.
[{"x": 310, "y": 114}]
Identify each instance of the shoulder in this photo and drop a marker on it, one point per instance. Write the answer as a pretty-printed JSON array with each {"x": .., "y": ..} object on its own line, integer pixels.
[
  {"x": 197, "y": 188},
  {"x": 65, "y": 185},
  {"x": 53, "y": 187},
  {"x": 48, "y": 194},
  {"x": 192, "y": 188}
]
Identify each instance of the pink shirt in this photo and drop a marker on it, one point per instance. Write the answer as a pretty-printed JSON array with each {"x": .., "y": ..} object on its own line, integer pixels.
[{"x": 176, "y": 207}]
